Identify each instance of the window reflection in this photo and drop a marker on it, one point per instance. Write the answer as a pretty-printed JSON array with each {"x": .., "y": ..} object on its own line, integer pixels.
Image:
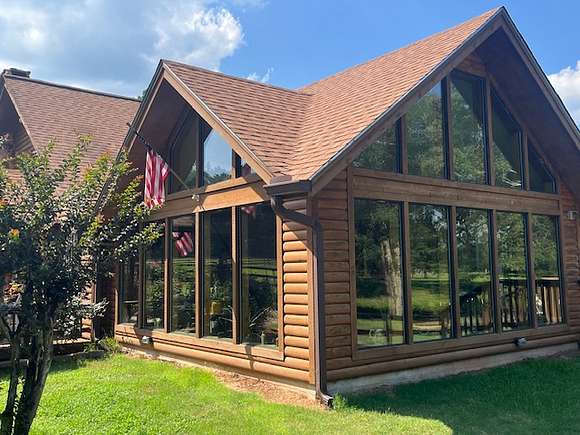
[
  {"x": 154, "y": 284},
  {"x": 541, "y": 179},
  {"x": 467, "y": 128},
  {"x": 425, "y": 135},
  {"x": 379, "y": 288},
  {"x": 184, "y": 156},
  {"x": 383, "y": 154},
  {"x": 507, "y": 148},
  {"x": 217, "y": 273},
  {"x": 217, "y": 156},
  {"x": 512, "y": 270},
  {"x": 547, "y": 269},
  {"x": 129, "y": 291},
  {"x": 475, "y": 281},
  {"x": 183, "y": 274},
  {"x": 259, "y": 283},
  {"x": 430, "y": 281}
]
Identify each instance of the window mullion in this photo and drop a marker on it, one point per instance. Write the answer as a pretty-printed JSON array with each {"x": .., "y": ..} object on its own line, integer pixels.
[
  {"x": 167, "y": 277},
  {"x": 525, "y": 161},
  {"x": 235, "y": 278},
  {"x": 198, "y": 276},
  {"x": 489, "y": 134},
  {"x": 447, "y": 139},
  {"x": 403, "y": 145}
]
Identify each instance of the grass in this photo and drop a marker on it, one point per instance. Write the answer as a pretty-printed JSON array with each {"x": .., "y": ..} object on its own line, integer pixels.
[{"x": 120, "y": 395}]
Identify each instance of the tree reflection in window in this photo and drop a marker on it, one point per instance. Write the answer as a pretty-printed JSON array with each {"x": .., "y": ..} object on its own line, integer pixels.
[
  {"x": 379, "y": 288},
  {"x": 129, "y": 291},
  {"x": 467, "y": 128},
  {"x": 184, "y": 154},
  {"x": 217, "y": 273},
  {"x": 541, "y": 179},
  {"x": 217, "y": 156},
  {"x": 512, "y": 270},
  {"x": 383, "y": 154},
  {"x": 425, "y": 141},
  {"x": 475, "y": 280},
  {"x": 546, "y": 269},
  {"x": 259, "y": 283},
  {"x": 507, "y": 146},
  {"x": 154, "y": 284},
  {"x": 430, "y": 283}
]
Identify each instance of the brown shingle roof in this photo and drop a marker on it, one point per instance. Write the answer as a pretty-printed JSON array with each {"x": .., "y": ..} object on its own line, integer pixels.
[
  {"x": 62, "y": 114},
  {"x": 296, "y": 132}
]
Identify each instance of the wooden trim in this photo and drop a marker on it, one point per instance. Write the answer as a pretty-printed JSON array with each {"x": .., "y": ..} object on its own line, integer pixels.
[
  {"x": 565, "y": 306},
  {"x": 494, "y": 264},
  {"x": 198, "y": 275},
  {"x": 489, "y": 134},
  {"x": 448, "y": 151},
  {"x": 525, "y": 160},
  {"x": 403, "y": 145},
  {"x": 167, "y": 281},
  {"x": 280, "y": 283},
  {"x": 352, "y": 264},
  {"x": 141, "y": 290},
  {"x": 398, "y": 187},
  {"x": 216, "y": 123}
]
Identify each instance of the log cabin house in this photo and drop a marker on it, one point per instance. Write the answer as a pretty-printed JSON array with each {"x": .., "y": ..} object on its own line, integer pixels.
[
  {"x": 411, "y": 216},
  {"x": 34, "y": 113}
]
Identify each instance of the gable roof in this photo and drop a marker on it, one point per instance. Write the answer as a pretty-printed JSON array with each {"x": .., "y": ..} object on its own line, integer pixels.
[
  {"x": 297, "y": 136},
  {"x": 49, "y": 111}
]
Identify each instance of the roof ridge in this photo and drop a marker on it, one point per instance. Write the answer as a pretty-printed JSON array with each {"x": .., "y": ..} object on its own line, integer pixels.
[
  {"x": 490, "y": 12},
  {"x": 71, "y": 88},
  {"x": 221, "y": 74}
]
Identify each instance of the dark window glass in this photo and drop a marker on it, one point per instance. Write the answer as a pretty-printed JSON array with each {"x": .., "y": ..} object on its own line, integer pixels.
[
  {"x": 425, "y": 135},
  {"x": 467, "y": 128},
  {"x": 244, "y": 169},
  {"x": 259, "y": 283},
  {"x": 382, "y": 155},
  {"x": 217, "y": 273},
  {"x": 512, "y": 270},
  {"x": 154, "y": 284},
  {"x": 430, "y": 283},
  {"x": 379, "y": 301},
  {"x": 541, "y": 179},
  {"x": 129, "y": 291},
  {"x": 184, "y": 155},
  {"x": 507, "y": 148},
  {"x": 547, "y": 269},
  {"x": 474, "y": 272},
  {"x": 217, "y": 156},
  {"x": 183, "y": 274}
]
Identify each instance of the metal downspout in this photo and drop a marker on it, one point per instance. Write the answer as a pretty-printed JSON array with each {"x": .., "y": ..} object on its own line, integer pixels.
[{"x": 319, "y": 321}]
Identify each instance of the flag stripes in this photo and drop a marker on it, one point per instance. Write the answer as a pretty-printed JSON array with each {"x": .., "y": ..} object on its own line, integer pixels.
[
  {"x": 156, "y": 172},
  {"x": 183, "y": 243}
]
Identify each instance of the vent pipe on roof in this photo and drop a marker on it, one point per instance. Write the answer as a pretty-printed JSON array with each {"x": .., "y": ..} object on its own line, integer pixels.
[{"x": 16, "y": 72}]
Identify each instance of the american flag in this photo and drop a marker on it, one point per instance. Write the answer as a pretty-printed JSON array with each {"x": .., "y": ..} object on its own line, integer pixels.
[
  {"x": 183, "y": 243},
  {"x": 156, "y": 172}
]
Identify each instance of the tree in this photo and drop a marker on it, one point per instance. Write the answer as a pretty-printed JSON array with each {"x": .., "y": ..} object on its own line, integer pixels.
[{"x": 55, "y": 238}]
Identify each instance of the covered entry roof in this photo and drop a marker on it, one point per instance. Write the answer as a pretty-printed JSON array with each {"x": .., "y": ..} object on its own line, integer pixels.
[{"x": 310, "y": 133}]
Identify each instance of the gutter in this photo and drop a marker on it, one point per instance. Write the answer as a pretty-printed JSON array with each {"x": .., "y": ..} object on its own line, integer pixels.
[{"x": 277, "y": 193}]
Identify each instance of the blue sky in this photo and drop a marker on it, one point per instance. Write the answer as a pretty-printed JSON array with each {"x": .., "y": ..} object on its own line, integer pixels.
[{"x": 115, "y": 45}]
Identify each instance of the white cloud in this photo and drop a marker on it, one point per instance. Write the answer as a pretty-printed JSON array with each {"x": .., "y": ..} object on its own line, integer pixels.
[
  {"x": 115, "y": 46},
  {"x": 567, "y": 84},
  {"x": 262, "y": 79}
]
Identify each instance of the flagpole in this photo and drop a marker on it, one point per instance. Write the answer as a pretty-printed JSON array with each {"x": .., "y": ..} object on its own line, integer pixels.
[{"x": 148, "y": 145}]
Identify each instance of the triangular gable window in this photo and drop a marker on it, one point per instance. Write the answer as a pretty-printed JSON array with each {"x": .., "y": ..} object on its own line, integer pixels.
[
  {"x": 199, "y": 155},
  {"x": 541, "y": 179}
]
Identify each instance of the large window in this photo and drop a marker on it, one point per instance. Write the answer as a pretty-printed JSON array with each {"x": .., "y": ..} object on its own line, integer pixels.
[
  {"x": 541, "y": 179},
  {"x": 183, "y": 274},
  {"x": 379, "y": 286},
  {"x": 184, "y": 156},
  {"x": 217, "y": 156},
  {"x": 547, "y": 269},
  {"x": 129, "y": 291},
  {"x": 474, "y": 271},
  {"x": 154, "y": 284},
  {"x": 425, "y": 139},
  {"x": 430, "y": 277},
  {"x": 507, "y": 146},
  {"x": 217, "y": 274},
  {"x": 468, "y": 128},
  {"x": 384, "y": 154},
  {"x": 259, "y": 283},
  {"x": 512, "y": 270}
]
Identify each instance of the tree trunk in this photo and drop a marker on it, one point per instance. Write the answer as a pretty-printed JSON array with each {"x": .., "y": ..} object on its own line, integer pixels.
[
  {"x": 7, "y": 417},
  {"x": 34, "y": 380}
]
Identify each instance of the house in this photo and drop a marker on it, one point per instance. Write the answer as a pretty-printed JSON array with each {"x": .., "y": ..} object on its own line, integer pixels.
[
  {"x": 34, "y": 113},
  {"x": 411, "y": 216}
]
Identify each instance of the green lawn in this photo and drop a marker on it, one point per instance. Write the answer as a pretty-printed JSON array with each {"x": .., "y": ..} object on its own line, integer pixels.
[{"x": 123, "y": 395}]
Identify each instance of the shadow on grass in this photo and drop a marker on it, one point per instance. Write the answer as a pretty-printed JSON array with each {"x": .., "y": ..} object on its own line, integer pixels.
[
  {"x": 58, "y": 365},
  {"x": 540, "y": 396}
]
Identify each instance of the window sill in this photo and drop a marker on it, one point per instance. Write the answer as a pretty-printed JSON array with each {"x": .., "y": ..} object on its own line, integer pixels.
[{"x": 206, "y": 344}]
